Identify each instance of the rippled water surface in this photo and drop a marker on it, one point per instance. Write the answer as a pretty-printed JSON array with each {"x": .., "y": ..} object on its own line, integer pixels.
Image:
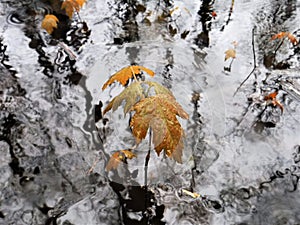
[{"x": 241, "y": 152}]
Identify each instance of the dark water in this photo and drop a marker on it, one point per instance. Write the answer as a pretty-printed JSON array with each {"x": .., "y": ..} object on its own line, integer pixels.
[{"x": 241, "y": 155}]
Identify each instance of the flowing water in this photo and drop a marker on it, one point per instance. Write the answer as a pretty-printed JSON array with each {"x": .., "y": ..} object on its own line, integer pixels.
[{"x": 241, "y": 153}]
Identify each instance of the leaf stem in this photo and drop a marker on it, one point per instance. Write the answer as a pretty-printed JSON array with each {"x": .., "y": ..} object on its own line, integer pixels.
[{"x": 133, "y": 74}]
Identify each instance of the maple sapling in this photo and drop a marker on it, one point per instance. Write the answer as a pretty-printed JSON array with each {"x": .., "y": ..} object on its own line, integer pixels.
[{"x": 155, "y": 112}]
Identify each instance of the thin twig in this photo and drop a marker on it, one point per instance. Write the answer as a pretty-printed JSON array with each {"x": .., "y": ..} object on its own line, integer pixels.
[
  {"x": 229, "y": 15},
  {"x": 254, "y": 66}
]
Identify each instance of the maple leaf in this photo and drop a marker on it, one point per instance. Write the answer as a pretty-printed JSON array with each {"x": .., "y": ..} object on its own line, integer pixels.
[
  {"x": 159, "y": 113},
  {"x": 49, "y": 23},
  {"x": 271, "y": 98},
  {"x": 132, "y": 94},
  {"x": 230, "y": 53},
  {"x": 72, "y": 5},
  {"x": 125, "y": 74},
  {"x": 117, "y": 158}
]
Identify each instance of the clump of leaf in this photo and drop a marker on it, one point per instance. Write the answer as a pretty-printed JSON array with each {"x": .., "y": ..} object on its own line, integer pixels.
[
  {"x": 49, "y": 23},
  {"x": 154, "y": 108}
]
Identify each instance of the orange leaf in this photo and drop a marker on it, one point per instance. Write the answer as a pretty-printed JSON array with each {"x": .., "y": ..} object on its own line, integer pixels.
[
  {"x": 280, "y": 35},
  {"x": 117, "y": 158},
  {"x": 213, "y": 14},
  {"x": 230, "y": 53},
  {"x": 125, "y": 74},
  {"x": 272, "y": 99},
  {"x": 114, "y": 161},
  {"x": 292, "y": 39},
  {"x": 128, "y": 154},
  {"x": 72, "y": 5},
  {"x": 159, "y": 113},
  {"x": 49, "y": 23},
  {"x": 271, "y": 96}
]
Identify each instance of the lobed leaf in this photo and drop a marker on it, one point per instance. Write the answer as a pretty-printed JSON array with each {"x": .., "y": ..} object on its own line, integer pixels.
[
  {"x": 49, "y": 23},
  {"x": 125, "y": 74},
  {"x": 159, "y": 113},
  {"x": 131, "y": 95}
]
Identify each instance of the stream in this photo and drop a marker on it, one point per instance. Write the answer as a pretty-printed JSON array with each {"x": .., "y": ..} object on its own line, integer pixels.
[{"x": 241, "y": 156}]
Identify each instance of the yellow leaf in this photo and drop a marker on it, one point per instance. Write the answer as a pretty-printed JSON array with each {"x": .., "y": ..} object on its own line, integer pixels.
[
  {"x": 192, "y": 194},
  {"x": 128, "y": 154},
  {"x": 159, "y": 113},
  {"x": 125, "y": 74},
  {"x": 49, "y": 23},
  {"x": 72, "y": 5},
  {"x": 230, "y": 53},
  {"x": 131, "y": 95}
]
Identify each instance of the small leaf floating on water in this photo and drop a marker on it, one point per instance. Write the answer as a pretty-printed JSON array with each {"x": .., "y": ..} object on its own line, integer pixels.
[
  {"x": 271, "y": 98},
  {"x": 49, "y": 23},
  {"x": 214, "y": 14},
  {"x": 230, "y": 53}
]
